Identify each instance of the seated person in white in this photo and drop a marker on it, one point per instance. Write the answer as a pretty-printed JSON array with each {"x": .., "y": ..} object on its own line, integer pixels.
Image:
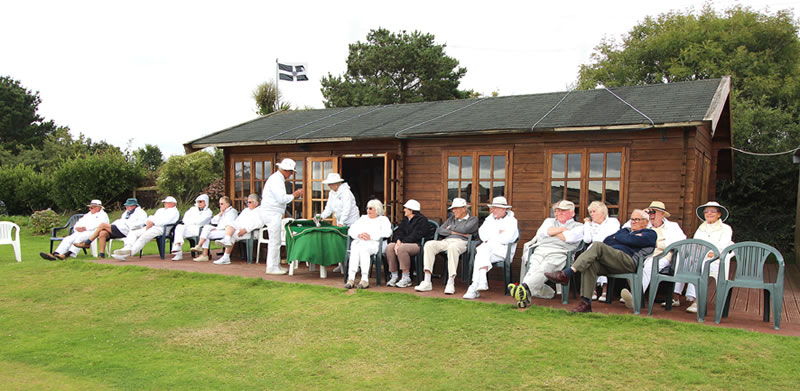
[
  {"x": 153, "y": 227},
  {"x": 193, "y": 220},
  {"x": 714, "y": 231},
  {"x": 556, "y": 237},
  {"x": 247, "y": 221},
  {"x": 216, "y": 230},
  {"x": 668, "y": 232},
  {"x": 132, "y": 218},
  {"x": 366, "y": 233},
  {"x": 498, "y": 230},
  {"x": 82, "y": 230},
  {"x": 596, "y": 228}
]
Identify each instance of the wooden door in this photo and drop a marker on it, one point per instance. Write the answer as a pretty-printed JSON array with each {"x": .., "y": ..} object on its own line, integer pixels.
[{"x": 316, "y": 193}]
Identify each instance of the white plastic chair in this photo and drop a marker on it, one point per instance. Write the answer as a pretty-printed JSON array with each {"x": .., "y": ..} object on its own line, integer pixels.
[{"x": 6, "y": 237}]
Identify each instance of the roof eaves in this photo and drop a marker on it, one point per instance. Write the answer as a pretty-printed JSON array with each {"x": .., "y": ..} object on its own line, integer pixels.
[{"x": 718, "y": 103}]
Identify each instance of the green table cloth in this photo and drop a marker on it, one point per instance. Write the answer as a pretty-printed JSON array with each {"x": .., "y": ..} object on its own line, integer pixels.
[{"x": 324, "y": 245}]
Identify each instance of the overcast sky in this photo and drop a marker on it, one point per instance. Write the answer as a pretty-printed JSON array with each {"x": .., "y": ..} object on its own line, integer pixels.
[{"x": 167, "y": 72}]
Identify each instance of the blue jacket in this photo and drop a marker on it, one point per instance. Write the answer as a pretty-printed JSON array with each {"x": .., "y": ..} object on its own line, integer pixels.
[{"x": 630, "y": 242}]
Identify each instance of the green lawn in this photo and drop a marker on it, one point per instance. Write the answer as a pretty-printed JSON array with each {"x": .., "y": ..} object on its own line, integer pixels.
[{"x": 78, "y": 325}]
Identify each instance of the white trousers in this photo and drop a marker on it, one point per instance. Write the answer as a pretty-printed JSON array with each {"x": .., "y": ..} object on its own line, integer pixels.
[
  {"x": 360, "y": 253},
  {"x": 485, "y": 255},
  {"x": 68, "y": 243},
  {"x": 274, "y": 229},
  {"x": 137, "y": 238},
  {"x": 544, "y": 260},
  {"x": 210, "y": 233},
  {"x": 691, "y": 290},
  {"x": 182, "y": 232}
]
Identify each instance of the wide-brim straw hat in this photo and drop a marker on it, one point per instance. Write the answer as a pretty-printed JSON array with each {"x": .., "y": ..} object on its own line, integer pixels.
[
  {"x": 96, "y": 203},
  {"x": 287, "y": 164},
  {"x": 658, "y": 205},
  {"x": 715, "y": 204}
]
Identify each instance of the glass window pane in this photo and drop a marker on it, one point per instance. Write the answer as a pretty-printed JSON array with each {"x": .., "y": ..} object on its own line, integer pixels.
[
  {"x": 612, "y": 192},
  {"x": 613, "y": 164},
  {"x": 452, "y": 190},
  {"x": 596, "y": 165},
  {"x": 259, "y": 187},
  {"x": 466, "y": 167},
  {"x": 499, "y": 189},
  {"x": 574, "y": 191},
  {"x": 613, "y": 212},
  {"x": 452, "y": 167},
  {"x": 316, "y": 190},
  {"x": 246, "y": 171},
  {"x": 558, "y": 165},
  {"x": 499, "y": 167},
  {"x": 574, "y": 165},
  {"x": 466, "y": 191},
  {"x": 245, "y": 189},
  {"x": 259, "y": 168},
  {"x": 483, "y": 192},
  {"x": 483, "y": 212},
  {"x": 556, "y": 191},
  {"x": 327, "y": 168},
  {"x": 316, "y": 208},
  {"x": 316, "y": 170},
  {"x": 237, "y": 189},
  {"x": 267, "y": 169},
  {"x": 595, "y": 191},
  {"x": 237, "y": 170},
  {"x": 485, "y": 167},
  {"x": 298, "y": 170}
]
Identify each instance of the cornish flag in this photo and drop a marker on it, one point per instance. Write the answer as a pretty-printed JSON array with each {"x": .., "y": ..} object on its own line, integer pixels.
[{"x": 292, "y": 72}]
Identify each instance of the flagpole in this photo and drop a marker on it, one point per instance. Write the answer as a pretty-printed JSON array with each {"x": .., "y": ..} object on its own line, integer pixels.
[{"x": 277, "y": 93}]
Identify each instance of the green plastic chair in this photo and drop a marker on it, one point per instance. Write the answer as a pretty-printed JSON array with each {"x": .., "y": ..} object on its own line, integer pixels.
[
  {"x": 750, "y": 258},
  {"x": 690, "y": 262},
  {"x": 635, "y": 279},
  {"x": 505, "y": 264},
  {"x": 69, "y": 226}
]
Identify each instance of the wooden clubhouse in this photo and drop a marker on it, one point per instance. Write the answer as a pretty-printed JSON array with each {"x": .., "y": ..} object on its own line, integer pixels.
[{"x": 624, "y": 146}]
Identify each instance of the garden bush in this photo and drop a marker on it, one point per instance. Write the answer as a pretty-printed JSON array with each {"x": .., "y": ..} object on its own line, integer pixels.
[
  {"x": 18, "y": 181},
  {"x": 43, "y": 220},
  {"x": 107, "y": 177},
  {"x": 185, "y": 177}
]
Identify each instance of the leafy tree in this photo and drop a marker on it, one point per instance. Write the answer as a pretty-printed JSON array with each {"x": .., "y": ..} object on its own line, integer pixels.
[
  {"x": 268, "y": 98},
  {"x": 56, "y": 147},
  {"x": 762, "y": 54},
  {"x": 394, "y": 68},
  {"x": 20, "y": 125},
  {"x": 185, "y": 176},
  {"x": 149, "y": 158},
  {"x": 24, "y": 190}
]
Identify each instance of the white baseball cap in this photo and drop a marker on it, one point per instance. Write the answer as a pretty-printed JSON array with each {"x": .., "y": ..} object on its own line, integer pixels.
[
  {"x": 287, "y": 164},
  {"x": 412, "y": 204},
  {"x": 170, "y": 199}
]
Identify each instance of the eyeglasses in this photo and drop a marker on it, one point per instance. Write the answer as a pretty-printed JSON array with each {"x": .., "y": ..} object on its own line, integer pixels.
[
  {"x": 251, "y": 202},
  {"x": 638, "y": 220},
  {"x": 370, "y": 208},
  {"x": 651, "y": 212}
]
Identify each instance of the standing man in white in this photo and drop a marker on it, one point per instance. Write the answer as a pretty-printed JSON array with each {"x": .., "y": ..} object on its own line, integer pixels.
[{"x": 274, "y": 199}]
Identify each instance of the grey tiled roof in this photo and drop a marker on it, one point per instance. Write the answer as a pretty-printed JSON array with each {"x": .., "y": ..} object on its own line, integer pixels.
[{"x": 661, "y": 103}]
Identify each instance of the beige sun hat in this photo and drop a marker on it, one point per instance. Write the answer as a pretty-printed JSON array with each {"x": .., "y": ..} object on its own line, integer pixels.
[
  {"x": 658, "y": 205},
  {"x": 715, "y": 204},
  {"x": 458, "y": 203},
  {"x": 565, "y": 205},
  {"x": 95, "y": 203},
  {"x": 500, "y": 202}
]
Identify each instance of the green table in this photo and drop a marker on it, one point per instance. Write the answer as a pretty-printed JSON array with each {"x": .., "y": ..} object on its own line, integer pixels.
[{"x": 324, "y": 245}]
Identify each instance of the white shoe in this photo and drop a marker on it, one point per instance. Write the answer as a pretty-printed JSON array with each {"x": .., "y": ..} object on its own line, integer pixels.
[
  {"x": 627, "y": 298},
  {"x": 337, "y": 269},
  {"x": 392, "y": 281},
  {"x": 177, "y": 248},
  {"x": 122, "y": 251},
  {"x": 472, "y": 292},
  {"x": 483, "y": 286},
  {"x": 450, "y": 288},
  {"x": 692, "y": 308},
  {"x": 119, "y": 257},
  {"x": 424, "y": 287},
  {"x": 404, "y": 282},
  {"x": 178, "y": 257},
  {"x": 202, "y": 258},
  {"x": 276, "y": 271},
  {"x": 197, "y": 249},
  {"x": 675, "y": 303},
  {"x": 223, "y": 243},
  {"x": 222, "y": 261}
]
